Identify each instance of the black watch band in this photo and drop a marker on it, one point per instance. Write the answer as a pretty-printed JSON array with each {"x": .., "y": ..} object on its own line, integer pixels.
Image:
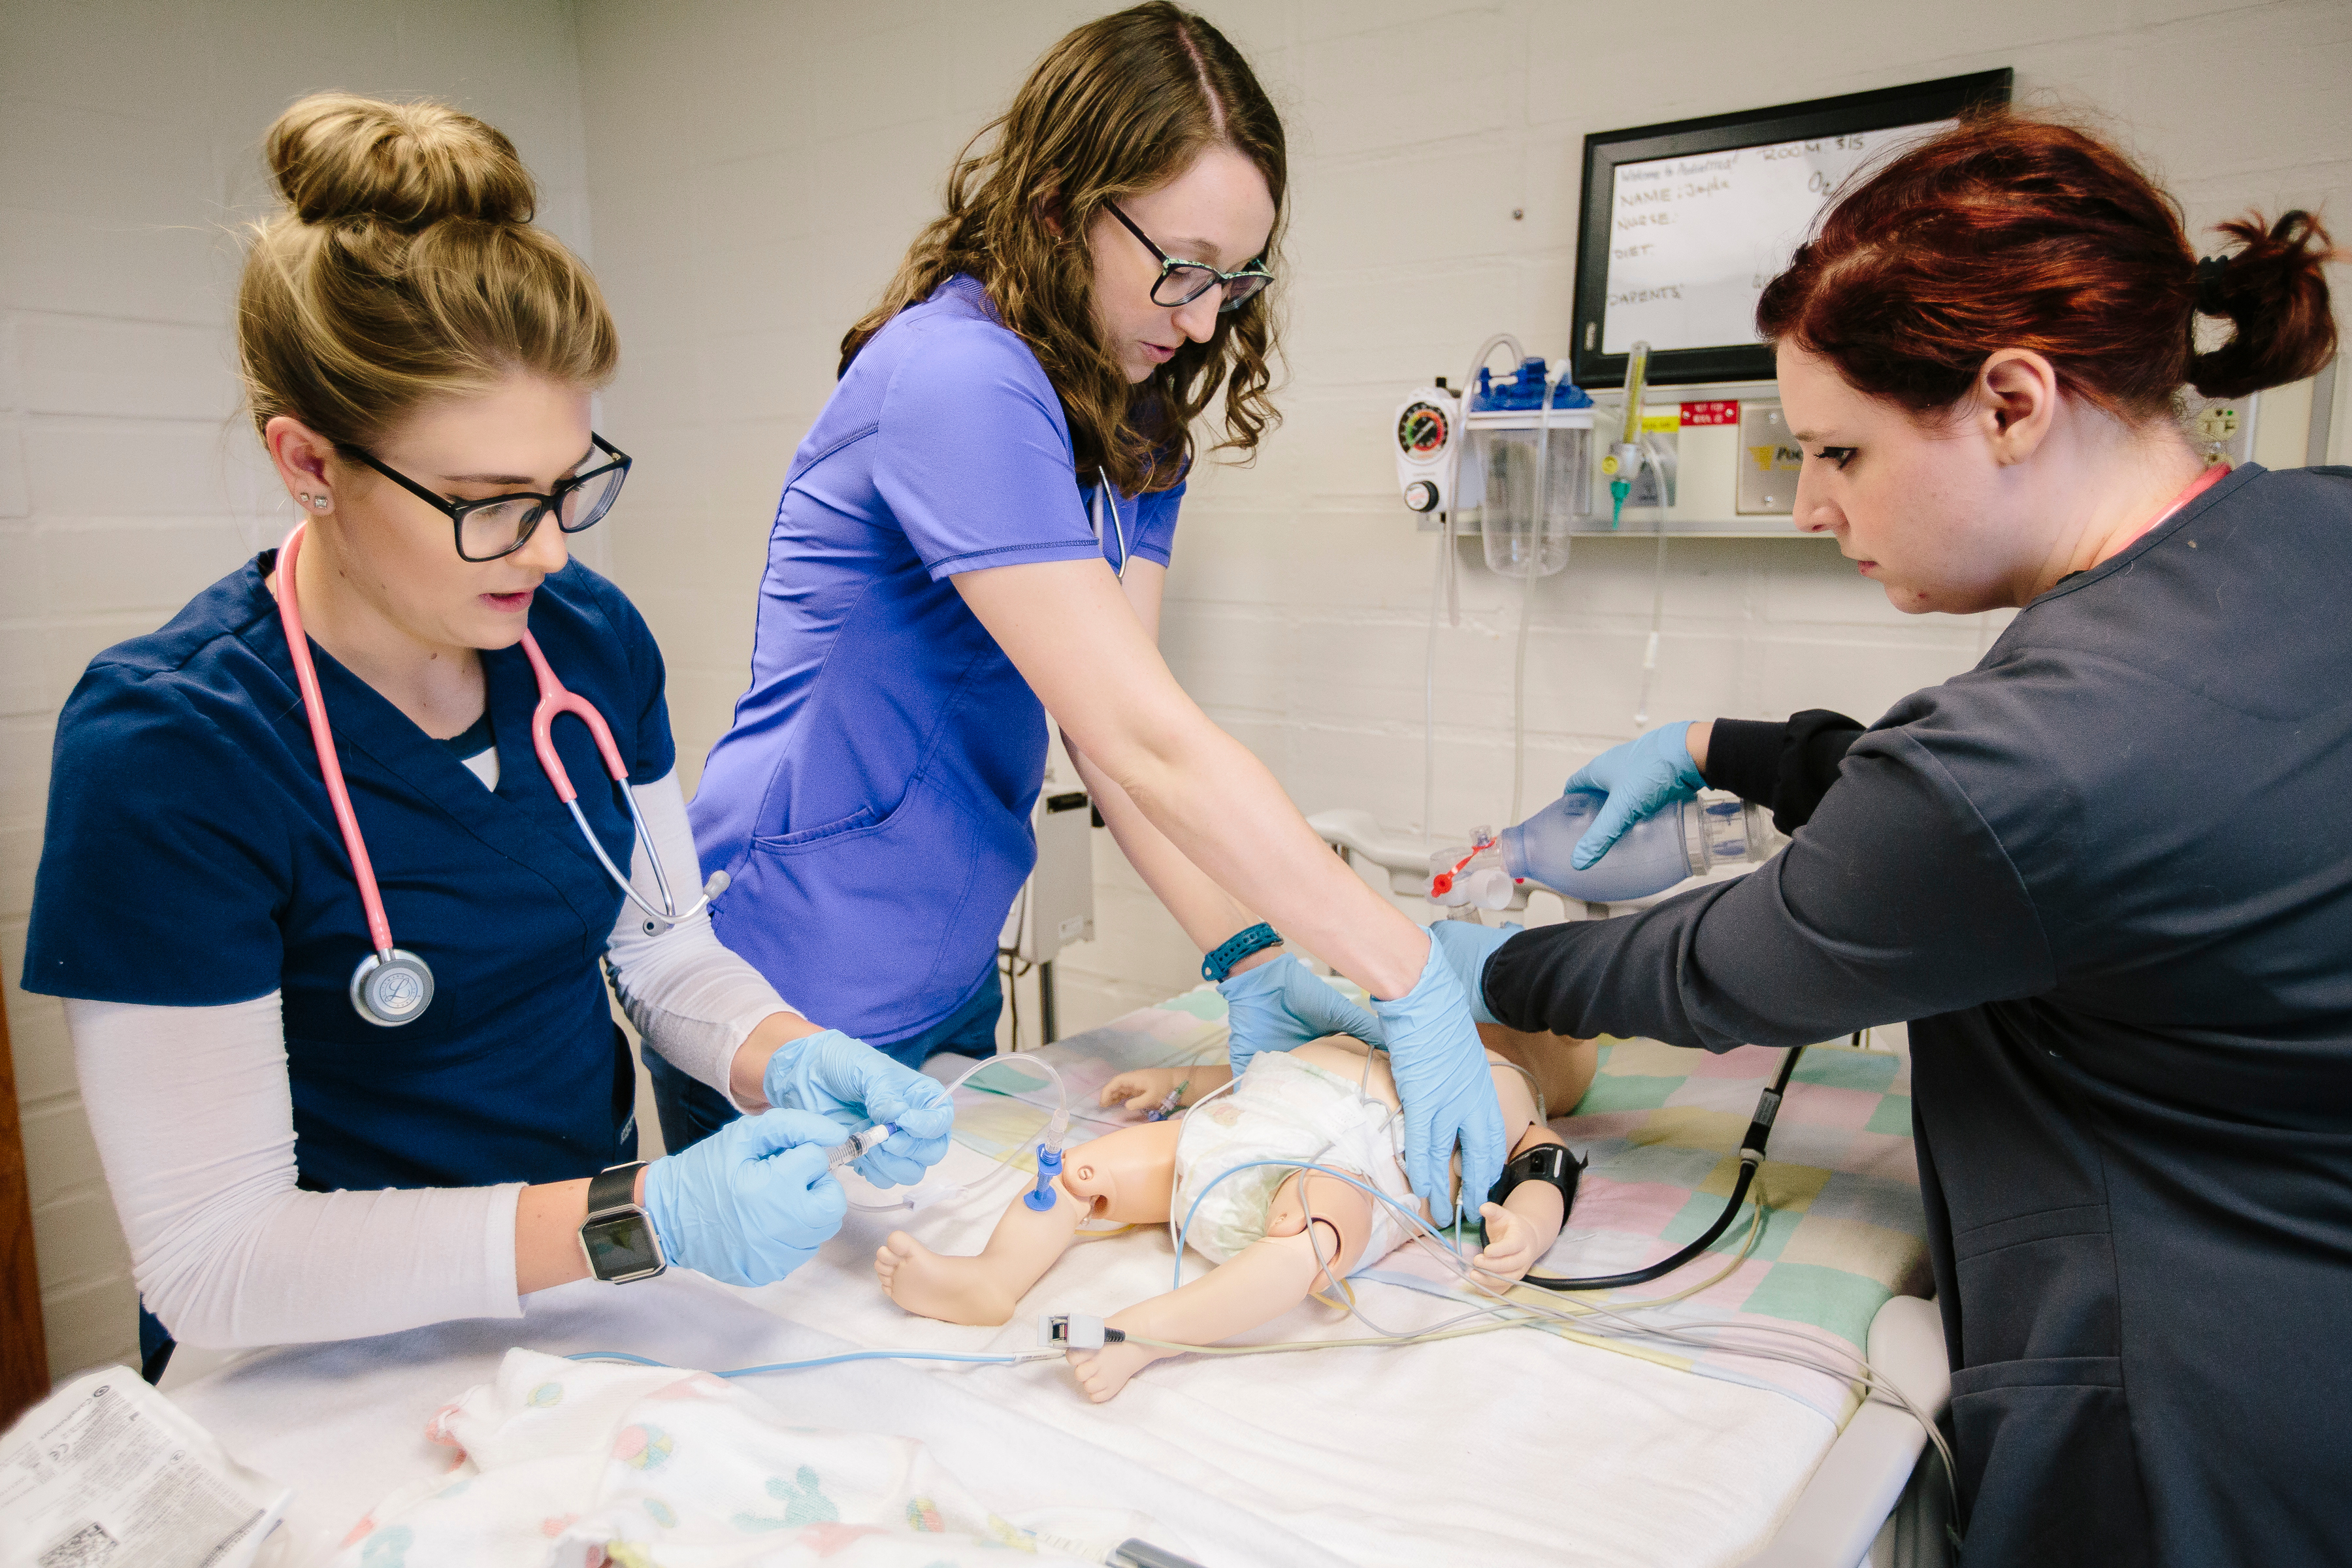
[
  {"x": 613, "y": 1187},
  {"x": 617, "y": 1237}
]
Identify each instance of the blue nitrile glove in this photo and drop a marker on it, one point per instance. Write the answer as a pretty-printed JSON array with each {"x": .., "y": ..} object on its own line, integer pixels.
[
  {"x": 1466, "y": 945},
  {"x": 751, "y": 1203},
  {"x": 1448, "y": 1093},
  {"x": 1646, "y": 774},
  {"x": 1281, "y": 1005},
  {"x": 855, "y": 1085}
]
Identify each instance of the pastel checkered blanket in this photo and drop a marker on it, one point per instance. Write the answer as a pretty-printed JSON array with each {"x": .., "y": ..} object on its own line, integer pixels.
[{"x": 1660, "y": 1127}]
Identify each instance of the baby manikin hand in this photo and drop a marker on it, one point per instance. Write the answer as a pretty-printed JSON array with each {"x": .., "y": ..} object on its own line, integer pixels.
[
  {"x": 1512, "y": 1247},
  {"x": 1143, "y": 1089}
]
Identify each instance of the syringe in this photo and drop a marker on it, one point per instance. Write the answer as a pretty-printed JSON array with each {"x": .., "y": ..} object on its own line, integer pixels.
[{"x": 859, "y": 1144}]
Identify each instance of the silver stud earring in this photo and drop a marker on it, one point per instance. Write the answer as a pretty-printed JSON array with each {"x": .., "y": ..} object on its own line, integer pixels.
[{"x": 317, "y": 504}]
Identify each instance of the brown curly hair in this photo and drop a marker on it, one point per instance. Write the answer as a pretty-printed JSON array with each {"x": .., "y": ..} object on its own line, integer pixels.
[{"x": 1120, "y": 106}]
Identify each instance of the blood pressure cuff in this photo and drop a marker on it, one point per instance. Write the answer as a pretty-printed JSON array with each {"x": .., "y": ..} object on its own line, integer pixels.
[{"x": 1545, "y": 1163}]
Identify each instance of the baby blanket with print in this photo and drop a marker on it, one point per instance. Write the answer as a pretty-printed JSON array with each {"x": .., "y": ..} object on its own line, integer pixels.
[{"x": 567, "y": 1463}]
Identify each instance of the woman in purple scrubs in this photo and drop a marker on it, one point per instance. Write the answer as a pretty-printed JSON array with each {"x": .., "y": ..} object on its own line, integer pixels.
[{"x": 974, "y": 537}]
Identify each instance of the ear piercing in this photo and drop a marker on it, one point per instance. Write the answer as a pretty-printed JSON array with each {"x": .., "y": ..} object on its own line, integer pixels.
[{"x": 316, "y": 503}]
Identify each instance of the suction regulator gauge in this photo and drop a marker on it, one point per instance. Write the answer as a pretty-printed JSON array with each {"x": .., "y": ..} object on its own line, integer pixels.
[{"x": 1421, "y": 430}]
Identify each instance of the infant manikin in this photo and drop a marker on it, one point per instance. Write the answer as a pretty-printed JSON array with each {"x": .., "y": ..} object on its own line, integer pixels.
[{"x": 1276, "y": 1236}]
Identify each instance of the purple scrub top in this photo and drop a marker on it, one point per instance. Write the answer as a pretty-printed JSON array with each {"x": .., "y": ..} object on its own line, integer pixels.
[{"x": 871, "y": 802}]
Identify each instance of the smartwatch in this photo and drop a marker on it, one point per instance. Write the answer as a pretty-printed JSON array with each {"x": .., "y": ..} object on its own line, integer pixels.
[{"x": 618, "y": 1236}]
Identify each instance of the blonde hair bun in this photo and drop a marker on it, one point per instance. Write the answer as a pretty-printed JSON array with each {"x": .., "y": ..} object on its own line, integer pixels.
[
  {"x": 336, "y": 155},
  {"x": 407, "y": 269}
]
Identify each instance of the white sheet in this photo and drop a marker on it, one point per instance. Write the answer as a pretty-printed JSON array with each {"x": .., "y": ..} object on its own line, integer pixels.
[
  {"x": 1503, "y": 1449},
  {"x": 344, "y": 1423},
  {"x": 1507, "y": 1448}
]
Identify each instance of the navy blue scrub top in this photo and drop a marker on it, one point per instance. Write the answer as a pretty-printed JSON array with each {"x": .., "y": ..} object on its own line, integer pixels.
[
  {"x": 871, "y": 802},
  {"x": 191, "y": 859}
]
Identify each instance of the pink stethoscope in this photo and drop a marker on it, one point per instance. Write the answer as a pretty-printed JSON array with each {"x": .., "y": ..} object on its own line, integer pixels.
[{"x": 391, "y": 985}]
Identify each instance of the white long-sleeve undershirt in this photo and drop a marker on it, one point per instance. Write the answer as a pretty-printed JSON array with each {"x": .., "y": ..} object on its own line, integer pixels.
[{"x": 193, "y": 1116}]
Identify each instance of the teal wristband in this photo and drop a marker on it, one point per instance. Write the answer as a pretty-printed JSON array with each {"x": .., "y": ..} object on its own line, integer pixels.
[{"x": 1219, "y": 962}]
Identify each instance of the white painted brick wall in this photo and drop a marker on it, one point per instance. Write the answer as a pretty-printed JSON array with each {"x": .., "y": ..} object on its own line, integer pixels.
[
  {"x": 746, "y": 219},
  {"x": 755, "y": 171},
  {"x": 128, "y": 152}
]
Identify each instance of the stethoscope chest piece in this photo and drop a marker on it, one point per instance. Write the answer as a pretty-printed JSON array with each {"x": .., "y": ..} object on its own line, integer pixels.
[{"x": 391, "y": 988}]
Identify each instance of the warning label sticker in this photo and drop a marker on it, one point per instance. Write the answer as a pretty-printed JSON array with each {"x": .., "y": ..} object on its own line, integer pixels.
[{"x": 1711, "y": 411}]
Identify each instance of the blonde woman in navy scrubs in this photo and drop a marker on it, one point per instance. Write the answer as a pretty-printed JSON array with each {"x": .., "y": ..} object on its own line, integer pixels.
[
  {"x": 974, "y": 537},
  {"x": 303, "y": 1138}
]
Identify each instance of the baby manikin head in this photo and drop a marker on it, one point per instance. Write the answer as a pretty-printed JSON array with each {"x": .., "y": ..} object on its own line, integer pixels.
[{"x": 1094, "y": 1184}]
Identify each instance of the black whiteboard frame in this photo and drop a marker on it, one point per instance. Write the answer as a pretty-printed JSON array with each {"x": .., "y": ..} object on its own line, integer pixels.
[{"x": 1879, "y": 110}]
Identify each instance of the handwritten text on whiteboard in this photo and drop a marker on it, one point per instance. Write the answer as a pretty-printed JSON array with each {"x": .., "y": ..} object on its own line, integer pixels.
[{"x": 1692, "y": 240}]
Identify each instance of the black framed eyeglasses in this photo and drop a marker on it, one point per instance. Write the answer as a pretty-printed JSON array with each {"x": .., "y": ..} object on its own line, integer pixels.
[
  {"x": 1181, "y": 282},
  {"x": 500, "y": 525}
]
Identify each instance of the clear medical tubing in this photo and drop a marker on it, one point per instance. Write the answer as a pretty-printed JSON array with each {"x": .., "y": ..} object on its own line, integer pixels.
[
  {"x": 1651, "y": 449},
  {"x": 1445, "y": 595},
  {"x": 314, "y": 707},
  {"x": 1687, "y": 839},
  {"x": 1056, "y": 1128}
]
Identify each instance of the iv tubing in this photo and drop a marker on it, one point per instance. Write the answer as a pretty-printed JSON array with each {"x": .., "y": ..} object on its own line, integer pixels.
[
  {"x": 1503, "y": 1309},
  {"x": 1445, "y": 594},
  {"x": 1658, "y": 589},
  {"x": 1057, "y": 1127},
  {"x": 1006, "y": 1359},
  {"x": 1533, "y": 566},
  {"x": 1585, "y": 1317}
]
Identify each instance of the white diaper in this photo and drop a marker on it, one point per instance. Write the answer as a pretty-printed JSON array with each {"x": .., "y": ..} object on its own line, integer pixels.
[{"x": 1285, "y": 1110}]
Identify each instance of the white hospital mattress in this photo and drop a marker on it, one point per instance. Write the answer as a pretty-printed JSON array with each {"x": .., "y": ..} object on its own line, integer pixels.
[{"x": 1513, "y": 1447}]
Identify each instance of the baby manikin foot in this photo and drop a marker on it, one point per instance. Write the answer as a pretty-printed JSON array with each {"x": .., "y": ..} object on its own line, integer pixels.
[
  {"x": 1103, "y": 1372},
  {"x": 952, "y": 1289}
]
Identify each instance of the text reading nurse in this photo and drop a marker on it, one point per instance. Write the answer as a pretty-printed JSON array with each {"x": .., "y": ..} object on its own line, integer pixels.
[
  {"x": 319, "y": 1118},
  {"x": 975, "y": 535}
]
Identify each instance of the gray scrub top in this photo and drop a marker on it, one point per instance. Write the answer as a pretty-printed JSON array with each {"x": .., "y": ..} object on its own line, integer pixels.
[{"x": 2106, "y": 875}]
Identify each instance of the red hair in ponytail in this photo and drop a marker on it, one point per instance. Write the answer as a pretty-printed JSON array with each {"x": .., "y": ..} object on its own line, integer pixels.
[{"x": 2010, "y": 233}]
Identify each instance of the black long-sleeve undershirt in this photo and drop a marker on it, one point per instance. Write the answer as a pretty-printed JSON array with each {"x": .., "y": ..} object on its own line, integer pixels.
[{"x": 1787, "y": 766}]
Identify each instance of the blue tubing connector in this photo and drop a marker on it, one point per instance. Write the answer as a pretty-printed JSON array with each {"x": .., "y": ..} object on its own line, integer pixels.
[{"x": 1049, "y": 1166}]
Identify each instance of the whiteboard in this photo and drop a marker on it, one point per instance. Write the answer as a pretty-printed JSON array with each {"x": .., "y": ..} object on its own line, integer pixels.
[{"x": 1694, "y": 240}]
